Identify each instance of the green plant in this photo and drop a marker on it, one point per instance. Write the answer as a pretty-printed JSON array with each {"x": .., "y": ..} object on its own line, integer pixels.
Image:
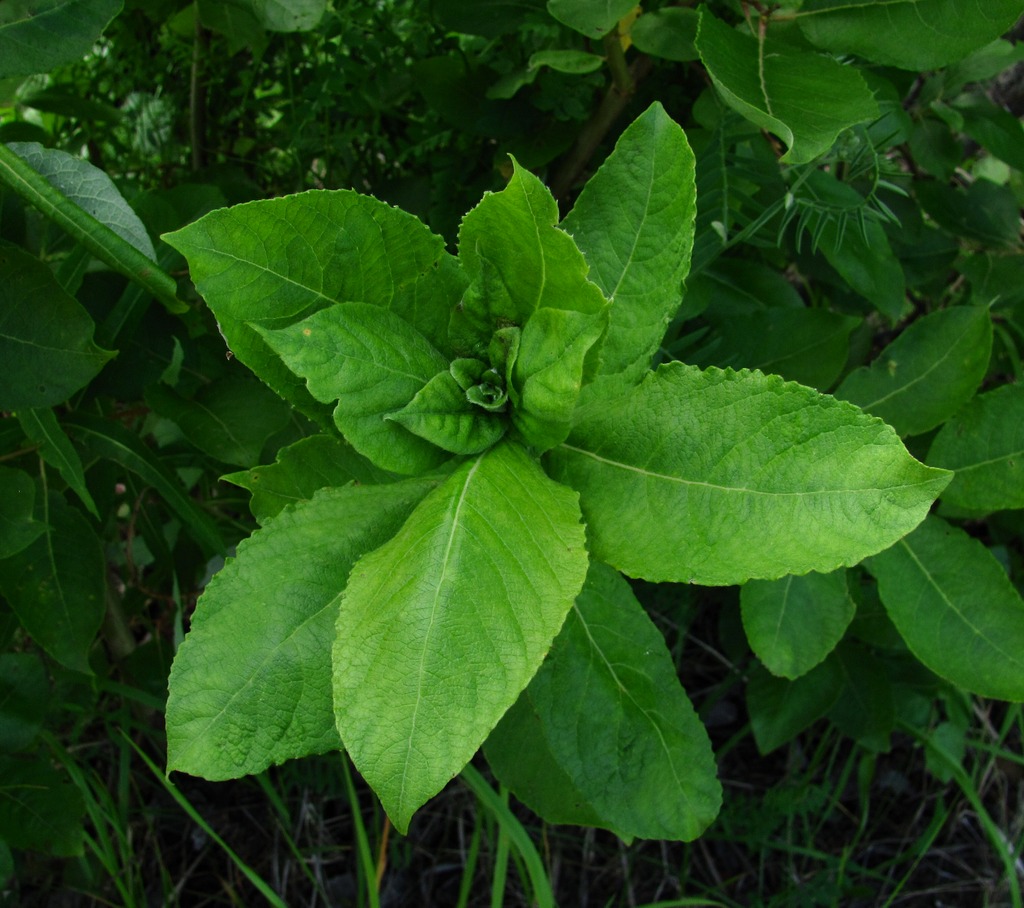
[{"x": 405, "y": 617}]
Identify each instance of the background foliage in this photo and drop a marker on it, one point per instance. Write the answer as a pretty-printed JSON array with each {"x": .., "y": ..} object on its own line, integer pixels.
[{"x": 858, "y": 230}]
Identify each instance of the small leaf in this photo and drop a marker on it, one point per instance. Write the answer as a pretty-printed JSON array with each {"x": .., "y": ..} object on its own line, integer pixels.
[
  {"x": 615, "y": 720},
  {"x": 302, "y": 469},
  {"x": 56, "y": 586},
  {"x": 548, "y": 372},
  {"x": 793, "y": 623},
  {"x": 668, "y": 33},
  {"x": 46, "y": 337},
  {"x": 956, "y": 608},
  {"x": 41, "y": 428},
  {"x": 911, "y": 34},
  {"x": 567, "y": 61},
  {"x": 780, "y": 709},
  {"x": 64, "y": 31},
  {"x": 589, "y": 18},
  {"x": 805, "y": 99},
  {"x": 984, "y": 444},
  {"x": 442, "y": 413},
  {"x": 926, "y": 374},
  {"x": 18, "y": 528},
  {"x": 634, "y": 223},
  {"x": 716, "y": 477},
  {"x": 251, "y": 684},
  {"x": 442, "y": 627},
  {"x": 517, "y": 261},
  {"x": 373, "y": 363}
]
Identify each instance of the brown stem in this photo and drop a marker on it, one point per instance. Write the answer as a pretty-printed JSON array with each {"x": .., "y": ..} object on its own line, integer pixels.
[{"x": 618, "y": 94}]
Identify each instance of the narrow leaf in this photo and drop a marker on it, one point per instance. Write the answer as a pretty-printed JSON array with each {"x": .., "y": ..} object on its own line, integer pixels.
[
  {"x": 442, "y": 627},
  {"x": 373, "y": 363},
  {"x": 634, "y": 223},
  {"x": 956, "y": 608},
  {"x": 805, "y": 99},
  {"x": 926, "y": 374},
  {"x": 984, "y": 444},
  {"x": 113, "y": 441},
  {"x": 442, "y": 413},
  {"x": 616, "y": 721},
  {"x": 251, "y": 685},
  {"x": 795, "y": 622},
  {"x": 716, "y": 477},
  {"x": 41, "y": 428}
]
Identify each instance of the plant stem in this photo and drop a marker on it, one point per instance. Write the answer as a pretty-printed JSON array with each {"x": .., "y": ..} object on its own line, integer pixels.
[
  {"x": 616, "y": 97},
  {"x": 94, "y": 235}
]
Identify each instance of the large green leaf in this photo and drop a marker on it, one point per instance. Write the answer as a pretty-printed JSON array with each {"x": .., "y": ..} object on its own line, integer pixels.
[
  {"x": 806, "y": 99},
  {"x": 89, "y": 188},
  {"x": 442, "y": 627},
  {"x": 18, "y": 528},
  {"x": 984, "y": 444},
  {"x": 373, "y": 363},
  {"x": 270, "y": 263},
  {"x": 910, "y": 34},
  {"x": 300, "y": 470},
  {"x": 517, "y": 261},
  {"x": 956, "y": 608},
  {"x": 926, "y": 374},
  {"x": 46, "y": 337},
  {"x": 593, "y": 18},
  {"x": 613, "y": 718},
  {"x": 716, "y": 477},
  {"x": 795, "y": 622},
  {"x": 634, "y": 223},
  {"x": 35, "y": 40},
  {"x": 56, "y": 586},
  {"x": 251, "y": 684}
]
